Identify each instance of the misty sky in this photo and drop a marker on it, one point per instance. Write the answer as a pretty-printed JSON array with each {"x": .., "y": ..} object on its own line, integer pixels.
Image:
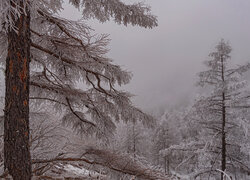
[{"x": 165, "y": 60}]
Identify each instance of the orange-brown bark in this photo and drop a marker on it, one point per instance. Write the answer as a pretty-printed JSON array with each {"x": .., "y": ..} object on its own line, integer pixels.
[{"x": 17, "y": 160}]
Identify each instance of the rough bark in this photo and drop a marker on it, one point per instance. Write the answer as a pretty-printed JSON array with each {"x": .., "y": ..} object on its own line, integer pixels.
[{"x": 17, "y": 160}]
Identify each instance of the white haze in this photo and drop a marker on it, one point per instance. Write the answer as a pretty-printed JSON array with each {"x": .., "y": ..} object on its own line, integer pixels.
[{"x": 165, "y": 60}]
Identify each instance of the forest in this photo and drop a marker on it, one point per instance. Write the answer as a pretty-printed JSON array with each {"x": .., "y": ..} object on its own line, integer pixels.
[{"x": 66, "y": 114}]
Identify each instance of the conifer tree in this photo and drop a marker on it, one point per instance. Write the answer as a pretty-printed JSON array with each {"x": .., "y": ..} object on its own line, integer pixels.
[
  {"x": 17, "y": 158},
  {"x": 217, "y": 125},
  {"x": 47, "y": 57},
  {"x": 228, "y": 94}
]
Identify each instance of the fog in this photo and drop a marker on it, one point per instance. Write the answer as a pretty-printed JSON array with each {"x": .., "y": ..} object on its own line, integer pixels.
[{"x": 165, "y": 60}]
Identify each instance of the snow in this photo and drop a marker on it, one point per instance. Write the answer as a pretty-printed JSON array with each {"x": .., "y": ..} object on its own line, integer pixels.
[
  {"x": 76, "y": 170},
  {"x": 79, "y": 171}
]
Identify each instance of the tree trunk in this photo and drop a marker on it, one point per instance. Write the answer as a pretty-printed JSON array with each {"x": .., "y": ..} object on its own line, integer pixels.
[
  {"x": 223, "y": 133},
  {"x": 134, "y": 146},
  {"x": 165, "y": 164},
  {"x": 164, "y": 147},
  {"x": 168, "y": 165},
  {"x": 223, "y": 139},
  {"x": 17, "y": 158}
]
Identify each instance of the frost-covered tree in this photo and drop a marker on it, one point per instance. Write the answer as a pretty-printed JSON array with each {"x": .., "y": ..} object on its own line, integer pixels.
[
  {"x": 134, "y": 140},
  {"x": 162, "y": 139},
  {"x": 227, "y": 94},
  {"x": 216, "y": 139},
  {"x": 169, "y": 133},
  {"x": 62, "y": 64},
  {"x": 220, "y": 119}
]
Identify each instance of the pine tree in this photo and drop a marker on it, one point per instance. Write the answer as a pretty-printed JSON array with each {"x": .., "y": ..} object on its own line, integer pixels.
[{"x": 50, "y": 56}]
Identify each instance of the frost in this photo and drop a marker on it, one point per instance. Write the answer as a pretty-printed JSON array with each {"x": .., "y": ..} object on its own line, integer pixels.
[
  {"x": 70, "y": 70},
  {"x": 222, "y": 110}
]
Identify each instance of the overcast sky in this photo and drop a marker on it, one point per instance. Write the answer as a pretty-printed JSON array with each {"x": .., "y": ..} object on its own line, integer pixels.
[{"x": 165, "y": 60}]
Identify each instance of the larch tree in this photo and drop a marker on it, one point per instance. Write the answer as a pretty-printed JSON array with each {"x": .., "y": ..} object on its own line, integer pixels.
[
  {"x": 134, "y": 141},
  {"x": 222, "y": 112},
  {"x": 227, "y": 101},
  {"x": 47, "y": 57},
  {"x": 161, "y": 141},
  {"x": 167, "y": 135},
  {"x": 17, "y": 159},
  {"x": 217, "y": 138}
]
